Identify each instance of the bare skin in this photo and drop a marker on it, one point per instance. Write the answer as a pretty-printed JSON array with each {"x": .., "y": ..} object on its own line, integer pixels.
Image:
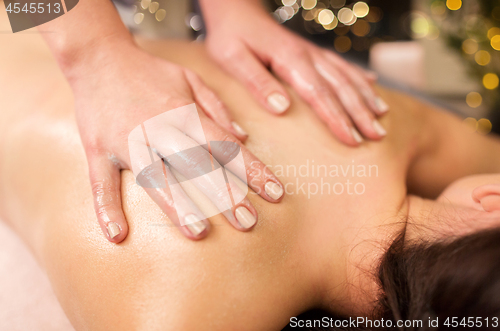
[{"x": 305, "y": 252}]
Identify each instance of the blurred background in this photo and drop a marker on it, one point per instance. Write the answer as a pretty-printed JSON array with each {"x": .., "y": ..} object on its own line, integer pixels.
[{"x": 447, "y": 51}]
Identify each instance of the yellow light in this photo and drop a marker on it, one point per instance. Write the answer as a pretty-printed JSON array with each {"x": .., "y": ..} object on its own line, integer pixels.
[
  {"x": 469, "y": 46},
  {"x": 325, "y": 16},
  {"x": 490, "y": 81},
  {"x": 454, "y": 4},
  {"x": 495, "y": 42},
  {"x": 145, "y": 3},
  {"x": 493, "y": 32},
  {"x": 360, "y": 9},
  {"x": 288, "y": 3},
  {"x": 308, "y": 15},
  {"x": 484, "y": 126},
  {"x": 375, "y": 15},
  {"x": 342, "y": 44},
  {"x": 471, "y": 124},
  {"x": 346, "y": 16},
  {"x": 153, "y": 7},
  {"x": 483, "y": 58},
  {"x": 309, "y": 4},
  {"x": 474, "y": 99},
  {"x": 160, "y": 15},
  {"x": 138, "y": 18},
  {"x": 332, "y": 25},
  {"x": 361, "y": 28},
  {"x": 419, "y": 26}
]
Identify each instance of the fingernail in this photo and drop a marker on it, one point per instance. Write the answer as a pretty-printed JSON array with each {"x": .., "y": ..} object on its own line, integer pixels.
[
  {"x": 381, "y": 105},
  {"x": 245, "y": 217},
  {"x": 113, "y": 229},
  {"x": 379, "y": 128},
  {"x": 239, "y": 129},
  {"x": 278, "y": 102},
  {"x": 356, "y": 136},
  {"x": 273, "y": 190},
  {"x": 194, "y": 224}
]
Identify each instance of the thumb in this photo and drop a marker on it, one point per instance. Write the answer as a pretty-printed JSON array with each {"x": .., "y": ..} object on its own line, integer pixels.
[{"x": 105, "y": 181}]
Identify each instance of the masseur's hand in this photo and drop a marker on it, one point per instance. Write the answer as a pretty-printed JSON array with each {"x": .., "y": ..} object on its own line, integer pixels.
[
  {"x": 118, "y": 87},
  {"x": 246, "y": 41}
]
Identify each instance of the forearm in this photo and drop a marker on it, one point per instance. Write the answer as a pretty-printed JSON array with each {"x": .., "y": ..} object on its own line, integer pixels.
[{"x": 81, "y": 35}]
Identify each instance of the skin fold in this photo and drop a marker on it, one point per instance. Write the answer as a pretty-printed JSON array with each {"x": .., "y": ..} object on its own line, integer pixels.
[{"x": 307, "y": 251}]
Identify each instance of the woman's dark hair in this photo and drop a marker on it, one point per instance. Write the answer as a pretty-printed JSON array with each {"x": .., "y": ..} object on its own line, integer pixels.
[
  {"x": 444, "y": 280},
  {"x": 455, "y": 282}
]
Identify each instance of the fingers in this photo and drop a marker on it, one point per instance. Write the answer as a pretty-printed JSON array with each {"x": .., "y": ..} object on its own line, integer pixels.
[
  {"x": 234, "y": 156},
  {"x": 105, "y": 181},
  {"x": 315, "y": 90},
  {"x": 162, "y": 186},
  {"x": 351, "y": 100},
  {"x": 361, "y": 80},
  {"x": 200, "y": 169},
  {"x": 243, "y": 64},
  {"x": 213, "y": 106}
]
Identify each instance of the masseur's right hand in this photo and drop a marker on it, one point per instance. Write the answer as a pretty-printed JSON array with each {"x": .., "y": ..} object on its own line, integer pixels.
[{"x": 117, "y": 87}]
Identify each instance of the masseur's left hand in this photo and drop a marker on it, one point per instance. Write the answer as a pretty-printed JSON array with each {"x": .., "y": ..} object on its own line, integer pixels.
[{"x": 245, "y": 40}]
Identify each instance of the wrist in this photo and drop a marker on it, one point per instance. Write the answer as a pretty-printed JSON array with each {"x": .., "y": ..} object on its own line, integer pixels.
[
  {"x": 88, "y": 58},
  {"x": 213, "y": 10}
]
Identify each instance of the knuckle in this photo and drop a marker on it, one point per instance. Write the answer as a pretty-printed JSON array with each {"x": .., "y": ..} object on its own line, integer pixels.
[
  {"x": 93, "y": 146},
  {"x": 318, "y": 92},
  {"x": 231, "y": 53},
  {"x": 260, "y": 81}
]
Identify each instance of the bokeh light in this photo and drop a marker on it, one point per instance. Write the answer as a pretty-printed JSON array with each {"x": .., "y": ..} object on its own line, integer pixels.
[
  {"x": 482, "y": 58},
  {"x": 360, "y": 9},
  {"x": 471, "y": 124},
  {"x": 484, "y": 126},
  {"x": 375, "y": 15},
  {"x": 332, "y": 25},
  {"x": 145, "y": 4},
  {"x": 288, "y": 2},
  {"x": 490, "y": 81},
  {"x": 153, "y": 7},
  {"x": 346, "y": 16},
  {"x": 309, "y": 4},
  {"x": 493, "y": 32},
  {"x": 342, "y": 44},
  {"x": 325, "y": 17},
  {"x": 196, "y": 23},
  {"x": 454, "y": 4},
  {"x": 474, "y": 99},
  {"x": 469, "y": 46},
  {"x": 419, "y": 25},
  {"x": 495, "y": 42},
  {"x": 138, "y": 18},
  {"x": 160, "y": 15},
  {"x": 361, "y": 28}
]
